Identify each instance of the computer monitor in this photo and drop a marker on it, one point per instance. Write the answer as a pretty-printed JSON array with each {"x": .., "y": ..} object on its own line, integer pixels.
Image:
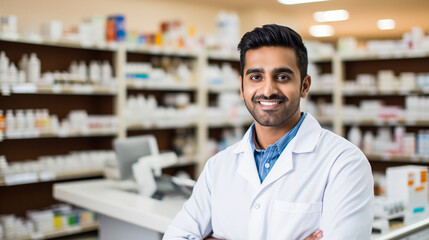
[{"x": 129, "y": 150}]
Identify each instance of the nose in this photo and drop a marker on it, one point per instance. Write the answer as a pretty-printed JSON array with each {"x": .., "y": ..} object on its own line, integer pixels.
[{"x": 269, "y": 87}]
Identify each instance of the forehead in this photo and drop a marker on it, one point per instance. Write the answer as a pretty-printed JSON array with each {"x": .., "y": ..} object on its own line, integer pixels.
[{"x": 271, "y": 57}]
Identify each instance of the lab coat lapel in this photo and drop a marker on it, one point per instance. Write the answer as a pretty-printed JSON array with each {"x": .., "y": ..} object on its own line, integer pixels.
[
  {"x": 246, "y": 161},
  {"x": 305, "y": 141}
]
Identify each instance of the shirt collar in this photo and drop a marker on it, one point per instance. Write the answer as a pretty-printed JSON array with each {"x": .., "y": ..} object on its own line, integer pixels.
[{"x": 281, "y": 144}]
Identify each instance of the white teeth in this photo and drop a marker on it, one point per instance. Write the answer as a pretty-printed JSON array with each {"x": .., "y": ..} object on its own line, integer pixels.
[{"x": 269, "y": 103}]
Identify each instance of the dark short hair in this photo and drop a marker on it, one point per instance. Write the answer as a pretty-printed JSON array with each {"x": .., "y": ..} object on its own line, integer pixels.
[{"x": 276, "y": 36}]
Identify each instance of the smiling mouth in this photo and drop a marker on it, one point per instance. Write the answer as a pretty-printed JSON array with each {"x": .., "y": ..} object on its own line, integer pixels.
[{"x": 269, "y": 103}]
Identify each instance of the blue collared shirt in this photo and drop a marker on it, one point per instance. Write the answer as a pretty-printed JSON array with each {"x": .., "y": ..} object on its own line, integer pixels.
[{"x": 265, "y": 159}]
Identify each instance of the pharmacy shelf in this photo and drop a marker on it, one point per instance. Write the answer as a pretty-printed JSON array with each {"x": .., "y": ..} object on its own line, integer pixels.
[
  {"x": 223, "y": 88},
  {"x": 371, "y": 93},
  {"x": 226, "y": 57},
  {"x": 154, "y": 126},
  {"x": 156, "y": 50},
  {"x": 184, "y": 161},
  {"x": 60, "y": 233},
  {"x": 397, "y": 158},
  {"x": 391, "y": 122},
  {"x": 62, "y": 43},
  {"x": 92, "y": 133},
  {"x": 313, "y": 92},
  {"x": 392, "y": 54},
  {"x": 142, "y": 85},
  {"x": 60, "y": 89},
  {"x": 19, "y": 179}
]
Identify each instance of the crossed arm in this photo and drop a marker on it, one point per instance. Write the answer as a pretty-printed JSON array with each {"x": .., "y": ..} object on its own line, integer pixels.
[{"x": 318, "y": 234}]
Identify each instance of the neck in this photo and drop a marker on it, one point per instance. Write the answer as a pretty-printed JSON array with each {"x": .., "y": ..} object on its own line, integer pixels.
[{"x": 266, "y": 136}]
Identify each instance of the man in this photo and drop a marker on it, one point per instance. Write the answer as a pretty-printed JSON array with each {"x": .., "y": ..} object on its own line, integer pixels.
[{"x": 287, "y": 178}]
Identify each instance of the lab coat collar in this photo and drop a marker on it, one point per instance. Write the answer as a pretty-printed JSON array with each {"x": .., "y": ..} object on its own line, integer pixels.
[{"x": 305, "y": 141}]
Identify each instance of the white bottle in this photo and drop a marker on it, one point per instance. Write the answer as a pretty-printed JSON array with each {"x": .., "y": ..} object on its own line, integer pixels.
[
  {"x": 82, "y": 72},
  {"x": 355, "y": 136},
  {"x": 74, "y": 70},
  {"x": 10, "y": 121},
  {"x": 30, "y": 120},
  {"x": 399, "y": 138},
  {"x": 33, "y": 69},
  {"x": 4, "y": 67},
  {"x": 23, "y": 63},
  {"x": 94, "y": 72},
  {"x": 106, "y": 72},
  {"x": 20, "y": 121},
  {"x": 368, "y": 142},
  {"x": 13, "y": 73}
]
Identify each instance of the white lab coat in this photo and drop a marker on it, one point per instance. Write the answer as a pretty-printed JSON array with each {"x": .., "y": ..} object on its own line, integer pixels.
[{"x": 320, "y": 181}]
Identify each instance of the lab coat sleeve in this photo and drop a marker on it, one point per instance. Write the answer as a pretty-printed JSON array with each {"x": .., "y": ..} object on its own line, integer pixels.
[
  {"x": 348, "y": 199},
  {"x": 194, "y": 220}
]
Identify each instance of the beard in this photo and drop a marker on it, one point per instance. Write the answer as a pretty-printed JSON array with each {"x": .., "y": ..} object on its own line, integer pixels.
[{"x": 272, "y": 118}]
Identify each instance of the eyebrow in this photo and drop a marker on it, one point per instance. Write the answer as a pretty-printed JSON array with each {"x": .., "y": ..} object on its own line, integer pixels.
[
  {"x": 254, "y": 70},
  {"x": 283, "y": 69},
  {"x": 275, "y": 70}
]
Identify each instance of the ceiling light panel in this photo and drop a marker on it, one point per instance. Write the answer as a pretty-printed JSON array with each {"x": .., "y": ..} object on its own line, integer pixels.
[
  {"x": 321, "y": 31},
  {"x": 386, "y": 24},
  {"x": 331, "y": 16},
  {"x": 292, "y": 2}
]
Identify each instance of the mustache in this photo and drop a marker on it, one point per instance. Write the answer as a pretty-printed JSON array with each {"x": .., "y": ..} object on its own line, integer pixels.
[{"x": 271, "y": 97}]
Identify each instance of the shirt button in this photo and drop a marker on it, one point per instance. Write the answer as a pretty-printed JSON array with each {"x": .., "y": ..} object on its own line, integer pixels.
[
  {"x": 257, "y": 206},
  {"x": 267, "y": 165}
]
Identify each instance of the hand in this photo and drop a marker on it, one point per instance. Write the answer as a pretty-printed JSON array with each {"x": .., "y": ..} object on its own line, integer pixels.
[{"x": 318, "y": 234}]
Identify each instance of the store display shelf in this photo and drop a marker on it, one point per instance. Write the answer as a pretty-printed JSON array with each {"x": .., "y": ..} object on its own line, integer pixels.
[
  {"x": 222, "y": 88},
  {"x": 60, "y": 233},
  {"x": 320, "y": 58},
  {"x": 155, "y": 126},
  {"x": 392, "y": 54},
  {"x": 221, "y": 123},
  {"x": 140, "y": 85},
  {"x": 47, "y": 134},
  {"x": 223, "y": 56},
  {"x": 156, "y": 50},
  {"x": 26, "y": 178},
  {"x": 375, "y": 92},
  {"x": 320, "y": 92},
  {"x": 390, "y": 122},
  {"x": 62, "y": 43},
  {"x": 77, "y": 89},
  {"x": 387, "y": 157}
]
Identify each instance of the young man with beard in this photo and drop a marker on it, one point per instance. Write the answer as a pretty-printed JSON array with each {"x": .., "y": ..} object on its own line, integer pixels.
[{"x": 287, "y": 178}]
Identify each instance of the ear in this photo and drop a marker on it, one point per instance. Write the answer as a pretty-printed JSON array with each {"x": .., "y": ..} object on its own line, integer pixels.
[
  {"x": 306, "y": 83},
  {"x": 241, "y": 88}
]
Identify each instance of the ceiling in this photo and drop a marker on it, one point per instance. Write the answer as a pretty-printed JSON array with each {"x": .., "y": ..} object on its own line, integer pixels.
[{"x": 363, "y": 15}]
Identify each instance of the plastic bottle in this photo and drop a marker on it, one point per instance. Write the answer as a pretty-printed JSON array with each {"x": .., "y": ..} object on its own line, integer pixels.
[
  {"x": 23, "y": 63},
  {"x": 2, "y": 122},
  {"x": 30, "y": 119},
  {"x": 4, "y": 65},
  {"x": 82, "y": 72},
  {"x": 13, "y": 73},
  {"x": 10, "y": 121},
  {"x": 106, "y": 72},
  {"x": 368, "y": 142},
  {"x": 94, "y": 72},
  {"x": 355, "y": 136},
  {"x": 399, "y": 138},
  {"x": 20, "y": 120},
  {"x": 33, "y": 69}
]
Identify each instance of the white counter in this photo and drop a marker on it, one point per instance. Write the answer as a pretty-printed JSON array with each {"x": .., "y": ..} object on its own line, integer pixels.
[{"x": 116, "y": 200}]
